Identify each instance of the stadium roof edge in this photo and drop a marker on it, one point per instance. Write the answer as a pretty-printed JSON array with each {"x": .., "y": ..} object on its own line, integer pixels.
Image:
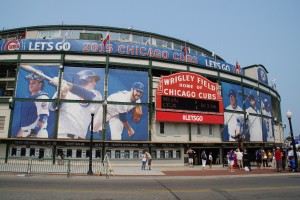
[{"x": 125, "y": 30}]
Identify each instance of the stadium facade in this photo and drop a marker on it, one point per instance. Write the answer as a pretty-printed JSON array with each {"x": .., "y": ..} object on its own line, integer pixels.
[{"x": 190, "y": 96}]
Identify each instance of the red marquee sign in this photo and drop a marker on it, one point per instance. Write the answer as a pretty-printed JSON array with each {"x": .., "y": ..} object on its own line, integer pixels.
[{"x": 188, "y": 97}]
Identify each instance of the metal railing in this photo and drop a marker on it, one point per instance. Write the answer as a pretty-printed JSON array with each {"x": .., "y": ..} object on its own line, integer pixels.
[{"x": 46, "y": 166}]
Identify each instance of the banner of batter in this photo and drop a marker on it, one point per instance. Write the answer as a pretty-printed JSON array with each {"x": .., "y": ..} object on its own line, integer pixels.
[
  {"x": 81, "y": 84},
  {"x": 253, "y": 107},
  {"x": 266, "y": 110},
  {"x": 31, "y": 117},
  {"x": 131, "y": 88},
  {"x": 233, "y": 115}
]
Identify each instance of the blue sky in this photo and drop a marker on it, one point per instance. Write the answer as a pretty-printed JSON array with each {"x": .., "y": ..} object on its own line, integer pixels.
[{"x": 252, "y": 32}]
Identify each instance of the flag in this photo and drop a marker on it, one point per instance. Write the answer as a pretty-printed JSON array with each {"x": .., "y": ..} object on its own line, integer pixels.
[
  {"x": 185, "y": 51},
  {"x": 65, "y": 37},
  {"x": 23, "y": 36},
  {"x": 237, "y": 68},
  {"x": 148, "y": 41},
  {"x": 106, "y": 39}
]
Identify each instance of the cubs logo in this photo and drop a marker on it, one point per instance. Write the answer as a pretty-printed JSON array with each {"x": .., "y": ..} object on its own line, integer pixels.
[
  {"x": 263, "y": 75},
  {"x": 84, "y": 104},
  {"x": 12, "y": 45}
]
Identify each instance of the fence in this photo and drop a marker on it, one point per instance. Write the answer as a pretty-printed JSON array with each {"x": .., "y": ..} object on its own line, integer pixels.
[{"x": 67, "y": 167}]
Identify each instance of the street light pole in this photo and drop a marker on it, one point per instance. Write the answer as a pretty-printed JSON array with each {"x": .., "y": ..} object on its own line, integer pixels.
[
  {"x": 104, "y": 129},
  {"x": 90, "y": 172},
  {"x": 289, "y": 116}
]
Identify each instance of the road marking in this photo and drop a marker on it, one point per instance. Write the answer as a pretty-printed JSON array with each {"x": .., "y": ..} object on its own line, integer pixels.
[{"x": 146, "y": 190}]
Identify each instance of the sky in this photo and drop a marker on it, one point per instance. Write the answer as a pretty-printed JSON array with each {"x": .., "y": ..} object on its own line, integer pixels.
[{"x": 251, "y": 32}]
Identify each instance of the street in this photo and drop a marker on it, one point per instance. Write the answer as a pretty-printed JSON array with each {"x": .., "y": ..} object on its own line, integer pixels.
[{"x": 279, "y": 186}]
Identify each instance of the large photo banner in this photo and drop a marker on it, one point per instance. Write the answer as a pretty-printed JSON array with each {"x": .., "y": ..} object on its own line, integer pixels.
[
  {"x": 188, "y": 98},
  {"x": 254, "y": 121},
  {"x": 266, "y": 110},
  {"x": 31, "y": 115},
  {"x": 233, "y": 114},
  {"x": 81, "y": 90},
  {"x": 127, "y": 90}
]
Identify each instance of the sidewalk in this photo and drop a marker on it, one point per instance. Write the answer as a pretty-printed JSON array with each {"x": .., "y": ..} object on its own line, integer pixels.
[{"x": 217, "y": 170}]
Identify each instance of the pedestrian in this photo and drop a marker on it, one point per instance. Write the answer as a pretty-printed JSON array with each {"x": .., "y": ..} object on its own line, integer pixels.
[
  {"x": 230, "y": 157},
  {"x": 149, "y": 159},
  {"x": 278, "y": 158},
  {"x": 210, "y": 160},
  {"x": 144, "y": 160},
  {"x": 204, "y": 158},
  {"x": 284, "y": 160},
  {"x": 190, "y": 153},
  {"x": 258, "y": 158},
  {"x": 264, "y": 156},
  {"x": 246, "y": 159},
  {"x": 239, "y": 158},
  {"x": 59, "y": 159},
  {"x": 62, "y": 157}
]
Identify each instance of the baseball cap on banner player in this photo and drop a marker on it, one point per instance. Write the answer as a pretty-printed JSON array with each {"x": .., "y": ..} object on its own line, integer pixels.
[
  {"x": 83, "y": 77},
  {"x": 138, "y": 86}
]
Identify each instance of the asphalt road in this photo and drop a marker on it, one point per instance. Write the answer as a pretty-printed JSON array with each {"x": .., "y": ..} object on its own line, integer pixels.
[{"x": 281, "y": 186}]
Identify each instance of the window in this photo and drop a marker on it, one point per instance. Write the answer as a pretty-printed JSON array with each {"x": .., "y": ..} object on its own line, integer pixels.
[
  {"x": 87, "y": 153},
  {"x": 49, "y": 34},
  {"x": 78, "y": 153},
  {"x": 23, "y": 151},
  {"x": 177, "y": 46},
  {"x": 117, "y": 154},
  {"x": 114, "y": 36},
  {"x": 69, "y": 153},
  {"x": 32, "y": 151},
  {"x": 2, "y": 122},
  {"x": 159, "y": 42},
  {"x": 98, "y": 153},
  {"x": 13, "y": 151},
  {"x": 198, "y": 129},
  {"x": 125, "y": 37},
  {"x": 162, "y": 128},
  {"x": 137, "y": 38},
  {"x": 162, "y": 154},
  {"x": 210, "y": 133}
]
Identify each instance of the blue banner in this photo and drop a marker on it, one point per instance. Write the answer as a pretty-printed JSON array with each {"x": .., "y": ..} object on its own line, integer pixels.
[{"x": 119, "y": 48}]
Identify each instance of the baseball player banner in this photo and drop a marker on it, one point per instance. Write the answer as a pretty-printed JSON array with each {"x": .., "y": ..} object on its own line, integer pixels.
[
  {"x": 127, "y": 120},
  {"x": 233, "y": 115},
  {"x": 84, "y": 85},
  {"x": 252, "y": 100},
  {"x": 31, "y": 117},
  {"x": 90, "y": 46},
  {"x": 266, "y": 111}
]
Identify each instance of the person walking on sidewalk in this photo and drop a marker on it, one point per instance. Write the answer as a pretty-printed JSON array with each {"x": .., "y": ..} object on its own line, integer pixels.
[
  {"x": 278, "y": 158},
  {"x": 230, "y": 157},
  {"x": 210, "y": 159},
  {"x": 246, "y": 159},
  {"x": 239, "y": 158},
  {"x": 204, "y": 158},
  {"x": 144, "y": 160},
  {"x": 190, "y": 153},
  {"x": 149, "y": 159}
]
